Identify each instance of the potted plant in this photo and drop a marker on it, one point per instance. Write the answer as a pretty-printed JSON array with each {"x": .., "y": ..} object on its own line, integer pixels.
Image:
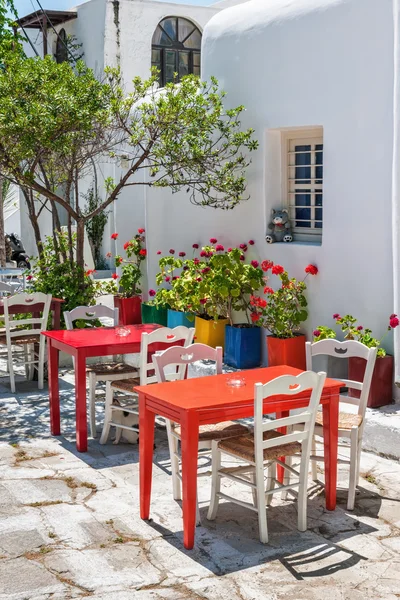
[
  {"x": 282, "y": 313},
  {"x": 173, "y": 297},
  {"x": 154, "y": 310},
  {"x": 129, "y": 298},
  {"x": 381, "y": 391}
]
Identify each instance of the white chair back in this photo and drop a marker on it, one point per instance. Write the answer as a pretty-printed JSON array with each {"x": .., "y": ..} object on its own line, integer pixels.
[
  {"x": 37, "y": 303},
  {"x": 180, "y": 358},
  {"x": 90, "y": 313},
  {"x": 287, "y": 385},
  {"x": 347, "y": 349},
  {"x": 163, "y": 335}
]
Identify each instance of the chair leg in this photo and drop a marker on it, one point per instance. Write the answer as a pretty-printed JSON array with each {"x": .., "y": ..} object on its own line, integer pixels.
[
  {"x": 11, "y": 368},
  {"x": 261, "y": 503},
  {"x": 42, "y": 347},
  {"x": 92, "y": 404},
  {"x": 353, "y": 468},
  {"x": 107, "y": 413},
  {"x": 359, "y": 448},
  {"x": 173, "y": 451},
  {"x": 215, "y": 481},
  {"x": 254, "y": 489},
  {"x": 286, "y": 477},
  {"x": 314, "y": 472},
  {"x": 271, "y": 481},
  {"x": 302, "y": 495},
  {"x": 27, "y": 366}
]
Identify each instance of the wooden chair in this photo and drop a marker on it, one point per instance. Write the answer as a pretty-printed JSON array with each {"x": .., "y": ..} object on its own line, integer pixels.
[
  {"x": 351, "y": 425},
  {"x": 102, "y": 371},
  {"x": 261, "y": 450},
  {"x": 145, "y": 376},
  {"x": 16, "y": 336},
  {"x": 179, "y": 359}
]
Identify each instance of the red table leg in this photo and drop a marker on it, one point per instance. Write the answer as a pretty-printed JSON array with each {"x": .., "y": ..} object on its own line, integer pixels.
[
  {"x": 280, "y": 471},
  {"x": 54, "y": 392},
  {"x": 80, "y": 392},
  {"x": 146, "y": 445},
  {"x": 190, "y": 446},
  {"x": 331, "y": 424}
]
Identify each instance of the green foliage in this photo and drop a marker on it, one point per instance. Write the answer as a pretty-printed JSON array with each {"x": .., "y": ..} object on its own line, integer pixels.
[
  {"x": 323, "y": 333},
  {"x": 213, "y": 287},
  {"x": 131, "y": 267},
  {"x": 95, "y": 226},
  {"x": 50, "y": 276},
  {"x": 356, "y": 332},
  {"x": 9, "y": 42}
]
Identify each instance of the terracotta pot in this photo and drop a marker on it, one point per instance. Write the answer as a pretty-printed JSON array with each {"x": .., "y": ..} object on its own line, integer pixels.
[
  {"x": 289, "y": 351},
  {"x": 129, "y": 310},
  {"x": 381, "y": 391},
  {"x": 152, "y": 314},
  {"x": 210, "y": 332}
]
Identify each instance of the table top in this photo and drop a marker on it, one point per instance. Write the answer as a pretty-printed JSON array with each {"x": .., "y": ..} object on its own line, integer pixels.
[
  {"x": 211, "y": 391},
  {"x": 99, "y": 336}
]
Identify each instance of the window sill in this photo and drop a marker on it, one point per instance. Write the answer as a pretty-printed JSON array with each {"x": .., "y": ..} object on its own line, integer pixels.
[{"x": 298, "y": 243}]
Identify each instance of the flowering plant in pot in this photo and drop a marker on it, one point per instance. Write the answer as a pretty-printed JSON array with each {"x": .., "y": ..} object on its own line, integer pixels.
[
  {"x": 171, "y": 296},
  {"x": 128, "y": 300},
  {"x": 282, "y": 313},
  {"x": 381, "y": 392},
  {"x": 155, "y": 310}
]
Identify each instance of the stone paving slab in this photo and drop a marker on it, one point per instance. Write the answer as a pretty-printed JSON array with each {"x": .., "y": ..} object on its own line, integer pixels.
[{"x": 70, "y": 528}]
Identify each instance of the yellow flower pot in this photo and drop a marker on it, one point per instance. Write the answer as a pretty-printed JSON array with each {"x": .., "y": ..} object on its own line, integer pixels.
[{"x": 210, "y": 332}]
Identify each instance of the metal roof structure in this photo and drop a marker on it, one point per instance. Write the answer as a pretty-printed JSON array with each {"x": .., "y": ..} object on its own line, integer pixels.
[{"x": 55, "y": 17}]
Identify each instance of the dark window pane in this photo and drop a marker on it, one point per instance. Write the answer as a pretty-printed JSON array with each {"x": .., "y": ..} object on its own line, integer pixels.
[
  {"x": 319, "y": 173},
  {"x": 318, "y": 218},
  {"x": 61, "y": 47},
  {"x": 302, "y": 213},
  {"x": 156, "y": 56},
  {"x": 170, "y": 65},
  {"x": 318, "y": 199},
  {"x": 185, "y": 29},
  {"x": 169, "y": 26},
  {"x": 196, "y": 71},
  {"x": 183, "y": 64},
  {"x": 160, "y": 38},
  {"x": 196, "y": 59},
  {"x": 303, "y": 157},
  {"x": 194, "y": 40}
]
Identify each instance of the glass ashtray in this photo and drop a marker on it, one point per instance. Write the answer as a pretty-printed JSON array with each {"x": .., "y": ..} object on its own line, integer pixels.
[
  {"x": 122, "y": 331},
  {"x": 235, "y": 381}
]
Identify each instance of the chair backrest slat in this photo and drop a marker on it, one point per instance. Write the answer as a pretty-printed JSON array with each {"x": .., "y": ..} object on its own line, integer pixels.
[
  {"x": 182, "y": 357},
  {"x": 163, "y": 335},
  {"x": 90, "y": 313},
  {"x": 347, "y": 349}
]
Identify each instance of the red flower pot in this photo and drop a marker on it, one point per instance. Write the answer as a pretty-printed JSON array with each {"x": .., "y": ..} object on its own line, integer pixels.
[
  {"x": 289, "y": 351},
  {"x": 381, "y": 391},
  {"x": 130, "y": 312}
]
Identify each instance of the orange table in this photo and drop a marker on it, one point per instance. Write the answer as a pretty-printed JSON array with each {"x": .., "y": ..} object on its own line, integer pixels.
[
  {"x": 82, "y": 344},
  {"x": 195, "y": 402}
]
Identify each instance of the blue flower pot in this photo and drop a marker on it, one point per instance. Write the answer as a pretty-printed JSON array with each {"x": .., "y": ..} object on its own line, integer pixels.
[
  {"x": 176, "y": 318},
  {"x": 242, "y": 347}
]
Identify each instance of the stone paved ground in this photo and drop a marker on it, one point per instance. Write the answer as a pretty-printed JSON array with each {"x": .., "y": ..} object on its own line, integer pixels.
[{"x": 69, "y": 527}]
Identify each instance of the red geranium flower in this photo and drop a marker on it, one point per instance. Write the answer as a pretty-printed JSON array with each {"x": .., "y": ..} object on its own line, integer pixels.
[
  {"x": 152, "y": 292},
  {"x": 195, "y": 246},
  {"x": 337, "y": 316},
  {"x": 229, "y": 250},
  {"x": 266, "y": 265},
  {"x": 114, "y": 236},
  {"x": 196, "y": 261},
  {"x": 255, "y": 317},
  {"x": 268, "y": 290},
  {"x": 182, "y": 254},
  {"x": 119, "y": 259},
  {"x": 360, "y": 328},
  {"x": 254, "y": 263},
  {"x": 158, "y": 251},
  {"x": 88, "y": 272},
  {"x": 172, "y": 251},
  {"x": 141, "y": 230},
  {"x": 114, "y": 276},
  {"x": 167, "y": 279},
  {"x": 278, "y": 269},
  {"x": 203, "y": 300},
  {"x": 243, "y": 247},
  {"x": 126, "y": 245},
  {"x": 392, "y": 316},
  {"x": 203, "y": 253},
  {"x": 219, "y": 248},
  {"x": 394, "y": 322},
  {"x": 143, "y": 252},
  {"x": 199, "y": 279},
  {"x": 251, "y": 242},
  {"x": 311, "y": 269},
  {"x": 316, "y": 333},
  {"x": 205, "y": 270},
  {"x": 213, "y": 240},
  {"x": 242, "y": 257},
  {"x": 29, "y": 277},
  {"x": 175, "y": 278}
]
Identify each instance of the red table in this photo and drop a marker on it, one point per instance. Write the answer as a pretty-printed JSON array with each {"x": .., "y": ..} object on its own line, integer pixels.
[
  {"x": 194, "y": 402},
  {"x": 82, "y": 344}
]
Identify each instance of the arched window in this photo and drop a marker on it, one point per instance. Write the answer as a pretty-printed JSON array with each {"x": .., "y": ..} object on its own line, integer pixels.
[
  {"x": 176, "y": 48},
  {"x": 61, "y": 47}
]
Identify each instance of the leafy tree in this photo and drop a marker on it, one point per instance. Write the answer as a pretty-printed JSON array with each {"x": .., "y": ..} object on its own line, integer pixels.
[{"x": 57, "y": 120}]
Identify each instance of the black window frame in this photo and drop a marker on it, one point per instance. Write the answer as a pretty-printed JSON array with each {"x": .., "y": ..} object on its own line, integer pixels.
[{"x": 176, "y": 47}]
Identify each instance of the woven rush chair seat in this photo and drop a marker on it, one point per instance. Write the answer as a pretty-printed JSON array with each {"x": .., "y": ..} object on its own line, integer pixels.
[
  {"x": 21, "y": 341},
  {"x": 243, "y": 447},
  {"x": 219, "y": 431},
  {"x": 110, "y": 368},
  {"x": 346, "y": 420},
  {"x": 126, "y": 385}
]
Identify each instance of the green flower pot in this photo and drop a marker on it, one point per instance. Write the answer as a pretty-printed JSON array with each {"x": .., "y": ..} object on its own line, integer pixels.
[{"x": 153, "y": 314}]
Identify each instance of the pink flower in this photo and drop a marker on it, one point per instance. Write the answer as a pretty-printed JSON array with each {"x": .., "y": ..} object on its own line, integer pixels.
[
  {"x": 172, "y": 251},
  {"x": 141, "y": 230},
  {"x": 336, "y": 316},
  {"x": 152, "y": 292},
  {"x": 115, "y": 276},
  {"x": 392, "y": 316},
  {"x": 185, "y": 268},
  {"x": 199, "y": 279},
  {"x": 203, "y": 301},
  {"x": 213, "y": 240},
  {"x": 242, "y": 257},
  {"x": 394, "y": 322},
  {"x": 316, "y": 333},
  {"x": 205, "y": 270},
  {"x": 158, "y": 251},
  {"x": 167, "y": 279},
  {"x": 182, "y": 254},
  {"x": 114, "y": 236},
  {"x": 219, "y": 248},
  {"x": 254, "y": 263},
  {"x": 243, "y": 247},
  {"x": 108, "y": 255},
  {"x": 195, "y": 246},
  {"x": 196, "y": 261},
  {"x": 203, "y": 254},
  {"x": 229, "y": 250},
  {"x": 360, "y": 328},
  {"x": 251, "y": 242}
]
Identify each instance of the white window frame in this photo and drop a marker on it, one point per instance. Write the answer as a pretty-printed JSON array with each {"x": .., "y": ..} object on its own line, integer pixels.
[{"x": 312, "y": 136}]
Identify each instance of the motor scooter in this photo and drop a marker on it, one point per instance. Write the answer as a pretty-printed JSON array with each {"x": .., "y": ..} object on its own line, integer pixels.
[{"x": 17, "y": 249}]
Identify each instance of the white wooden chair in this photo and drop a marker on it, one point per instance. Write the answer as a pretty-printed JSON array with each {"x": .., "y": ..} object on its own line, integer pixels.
[
  {"x": 15, "y": 336},
  {"x": 102, "y": 371},
  {"x": 145, "y": 376},
  {"x": 351, "y": 425},
  {"x": 180, "y": 359},
  {"x": 262, "y": 450}
]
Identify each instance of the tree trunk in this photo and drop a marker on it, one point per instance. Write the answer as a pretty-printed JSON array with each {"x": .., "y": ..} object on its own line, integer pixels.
[
  {"x": 80, "y": 243},
  {"x": 28, "y": 195},
  {"x": 3, "y": 259}
]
